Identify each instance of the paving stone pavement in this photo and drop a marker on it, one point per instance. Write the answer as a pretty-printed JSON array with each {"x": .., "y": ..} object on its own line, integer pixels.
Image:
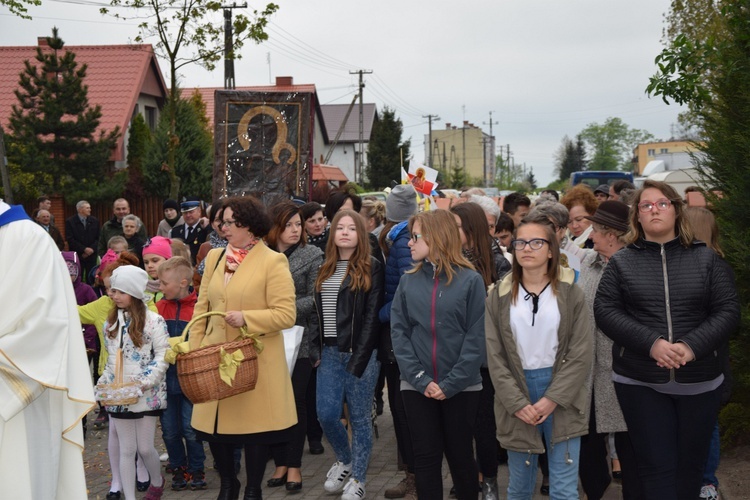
[{"x": 382, "y": 474}]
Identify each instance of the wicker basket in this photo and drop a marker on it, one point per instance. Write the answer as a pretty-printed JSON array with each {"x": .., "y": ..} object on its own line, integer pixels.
[
  {"x": 198, "y": 370},
  {"x": 118, "y": 393}
]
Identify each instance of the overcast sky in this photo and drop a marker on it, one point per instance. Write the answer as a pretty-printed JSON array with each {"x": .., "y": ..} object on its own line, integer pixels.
[{"x": 545, "y": 69}]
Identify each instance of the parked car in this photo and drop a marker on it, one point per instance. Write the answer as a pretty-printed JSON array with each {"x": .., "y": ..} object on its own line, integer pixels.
[{"x": 595, "y": 178}]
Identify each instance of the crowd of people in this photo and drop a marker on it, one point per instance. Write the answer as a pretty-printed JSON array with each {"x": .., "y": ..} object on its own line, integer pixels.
[{"x": 587, "y": 337}]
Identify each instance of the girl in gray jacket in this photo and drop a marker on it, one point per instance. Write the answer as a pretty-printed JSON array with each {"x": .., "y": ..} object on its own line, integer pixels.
[
  {"x": 437, "y": 330},
  {"x": 539, "y": 352}
]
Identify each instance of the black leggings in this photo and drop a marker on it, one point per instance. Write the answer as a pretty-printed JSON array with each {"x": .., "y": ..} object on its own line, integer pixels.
[
  {"x": 290, "y": 454},
  {"x": 256, "y": 456}
]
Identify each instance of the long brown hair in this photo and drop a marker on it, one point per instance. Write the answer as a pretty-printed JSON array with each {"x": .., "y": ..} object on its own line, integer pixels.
[
  {"x": 360, "y": 265},
  {"x": 474, "y": 226},
  {"x": 281, "y": 213},
  {"x": 137, "y": 311},
  {"x": 682, "y": 227},
  {"x": 704, "y": 227},
  {"x": 553, "y": 264},
  {"x": 440, "y": 233}
]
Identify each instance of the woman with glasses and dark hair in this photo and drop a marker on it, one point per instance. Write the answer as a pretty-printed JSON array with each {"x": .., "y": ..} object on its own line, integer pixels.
[
  {"x": 539, "y": 351},
  {"x": 437, "y": 330},
  {"x": 669, "y": 304},
  {"x": 252, "y": 285}
]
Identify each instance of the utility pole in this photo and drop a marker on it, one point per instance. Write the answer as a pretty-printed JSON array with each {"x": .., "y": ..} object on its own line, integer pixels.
[
  {"x": 4, "y": 170},
  {"x": 492, "y": 149},
  {"x": 359, "y": 160},
  {"x": 463, "y": 137},
  {"x": 429, "y": 141},
  {"x": 228, "y": 44}
]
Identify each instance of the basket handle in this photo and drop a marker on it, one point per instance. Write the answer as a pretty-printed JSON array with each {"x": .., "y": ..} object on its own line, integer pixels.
[
  {"x": 118, "y": 367},
  {"x": 205, "y": 315}
]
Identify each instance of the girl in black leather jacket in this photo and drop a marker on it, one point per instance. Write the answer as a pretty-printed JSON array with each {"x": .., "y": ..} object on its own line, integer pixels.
[{"x": 343, "y": 342}]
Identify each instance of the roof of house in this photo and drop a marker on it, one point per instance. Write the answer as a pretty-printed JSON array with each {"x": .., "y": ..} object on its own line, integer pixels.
[
  {"x": 334, "y": 114},
  {"x": 328, "y": 173},
  {"x": 116, "y": 76},
  {"x": 283, "y": 85}
]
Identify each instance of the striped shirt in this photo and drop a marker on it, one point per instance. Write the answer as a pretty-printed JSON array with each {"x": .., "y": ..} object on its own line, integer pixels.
[{"x": 329, "y": 295}]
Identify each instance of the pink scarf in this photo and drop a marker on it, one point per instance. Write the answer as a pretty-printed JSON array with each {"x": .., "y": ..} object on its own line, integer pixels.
[{"x": 234, "y": 257}]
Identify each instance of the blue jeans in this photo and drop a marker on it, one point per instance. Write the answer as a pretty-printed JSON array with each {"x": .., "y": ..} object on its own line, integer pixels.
[
  {"x": 563, "y": 475},
  {"x": 175, "y": 426},
  {"x": 709, "y": 473},
  {"x": 336, "y": 385}
]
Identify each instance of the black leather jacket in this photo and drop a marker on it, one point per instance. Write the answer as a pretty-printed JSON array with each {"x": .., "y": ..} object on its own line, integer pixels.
[
  {"x": 357, "y": 322},
  {"x": 650, "y": 291}
]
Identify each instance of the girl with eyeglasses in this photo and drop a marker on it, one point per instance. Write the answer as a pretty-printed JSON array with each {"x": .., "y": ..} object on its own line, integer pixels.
[
  {"x": 539, "y": 351},
  {"x": 437, "y": 330},
  {"x": 669, "y": 303}
]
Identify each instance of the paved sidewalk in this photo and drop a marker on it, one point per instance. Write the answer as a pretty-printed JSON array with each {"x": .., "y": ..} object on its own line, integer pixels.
[{"x": 381, "y": 475}]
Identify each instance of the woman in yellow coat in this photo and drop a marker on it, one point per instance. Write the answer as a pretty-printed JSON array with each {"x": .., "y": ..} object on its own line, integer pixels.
[{"x": 253, "y": 285}]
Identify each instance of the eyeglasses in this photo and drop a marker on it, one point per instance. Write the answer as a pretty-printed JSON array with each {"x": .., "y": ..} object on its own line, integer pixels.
[
  {"x": 226, "y": 223},
  {"x": 534, "y": 243},
  {"x": 415, "y": 237},
  {"x": 648, "y": 206}
]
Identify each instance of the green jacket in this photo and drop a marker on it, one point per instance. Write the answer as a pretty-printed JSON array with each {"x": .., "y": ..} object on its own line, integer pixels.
[{"x": 570, "y": 373}]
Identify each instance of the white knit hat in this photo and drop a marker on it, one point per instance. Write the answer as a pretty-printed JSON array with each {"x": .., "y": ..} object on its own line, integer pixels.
[{"x": 131, "y": 280}]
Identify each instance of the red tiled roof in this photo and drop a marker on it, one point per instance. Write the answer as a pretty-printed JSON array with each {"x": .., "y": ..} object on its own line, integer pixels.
[
  {"x": 328, "y": 173},
  {"x": 116, "y": 75}
]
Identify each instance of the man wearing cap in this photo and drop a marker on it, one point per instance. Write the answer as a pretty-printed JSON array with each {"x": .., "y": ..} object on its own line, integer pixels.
[
  {"x": 602, "y": 193},
  {"x": 45, "y": 382},
  {"x": 113, "y": 227},
  {"x": 192, "y": 231}
]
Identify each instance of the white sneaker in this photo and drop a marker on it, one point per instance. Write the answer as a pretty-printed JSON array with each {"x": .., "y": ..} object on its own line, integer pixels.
[
  {"x": 709, "y": 491},
  {"x": 354, "y": 490},
  {"x": 337, "y": 475},
  {"x": 163, "y": 457}
]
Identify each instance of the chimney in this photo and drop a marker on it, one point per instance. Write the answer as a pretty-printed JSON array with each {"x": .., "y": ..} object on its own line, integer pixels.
[
  {"x": 41, "y": 41},
  {"x": 284, "y": 81},
  {"x": 447, "y": 126},
  {"x": 466, "y": 123}
]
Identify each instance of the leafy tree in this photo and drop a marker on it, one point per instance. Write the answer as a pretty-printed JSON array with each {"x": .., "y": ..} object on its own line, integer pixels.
[
  {"x": 138, "y": 143},
  {"x": 612, "y": 144},
  {"x": 19, "y": 7},
  {"x": 384, "y": 152},
  {"x": 509, "y": 175},
  {"x": 54, "y": 127},
  {"x": 187, "y": 32},
  {"x": 193, "y": 158},
  {"x": 570, "y": 157},
  {"x": 706, "y": 65},
  {"x": 531, "y": 180}
]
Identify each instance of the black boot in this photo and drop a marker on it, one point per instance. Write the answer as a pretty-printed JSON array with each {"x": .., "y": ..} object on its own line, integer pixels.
[
  {"x": 253, "y": 493},
  {"x": 230, "y": 488}
]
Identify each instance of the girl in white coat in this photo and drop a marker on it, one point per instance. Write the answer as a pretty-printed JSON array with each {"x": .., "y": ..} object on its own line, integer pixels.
[{"x": 142, "y": 336}]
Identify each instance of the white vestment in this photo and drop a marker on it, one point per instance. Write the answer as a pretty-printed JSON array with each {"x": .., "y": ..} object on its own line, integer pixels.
[{"x": 45, "y": 384}]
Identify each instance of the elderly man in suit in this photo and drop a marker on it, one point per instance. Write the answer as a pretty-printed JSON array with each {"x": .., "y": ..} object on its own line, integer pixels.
[{"x": 82, "y": 233}]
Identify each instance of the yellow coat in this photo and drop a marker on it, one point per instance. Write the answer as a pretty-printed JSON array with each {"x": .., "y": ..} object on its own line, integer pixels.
[{"x": 262, "y": 288}]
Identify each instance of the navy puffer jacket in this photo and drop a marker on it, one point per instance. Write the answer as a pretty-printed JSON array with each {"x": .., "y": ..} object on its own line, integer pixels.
[
  {"x": 398, "y": 262},
  {"x": 681, "y": 294}
]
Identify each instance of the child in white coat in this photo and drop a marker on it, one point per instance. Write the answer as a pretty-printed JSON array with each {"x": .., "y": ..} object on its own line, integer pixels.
[{"x": 142, "y": 336}]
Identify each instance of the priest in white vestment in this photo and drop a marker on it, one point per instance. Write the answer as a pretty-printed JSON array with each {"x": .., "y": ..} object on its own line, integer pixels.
[{"x": 45, "y": 384}]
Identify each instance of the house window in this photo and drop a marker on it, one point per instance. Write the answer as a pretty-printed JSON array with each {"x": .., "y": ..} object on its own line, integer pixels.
[
  {"x": 151, "y": 117},
  {"x": 664, "y": 151},
  {"x": 651, "y": 152}
]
